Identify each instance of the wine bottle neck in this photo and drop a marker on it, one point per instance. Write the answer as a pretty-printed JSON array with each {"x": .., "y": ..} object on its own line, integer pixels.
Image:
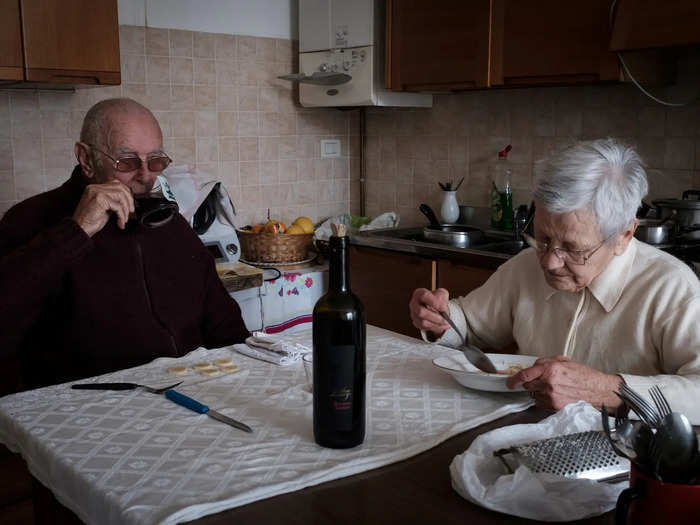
[{"x": 339, "y": 265}]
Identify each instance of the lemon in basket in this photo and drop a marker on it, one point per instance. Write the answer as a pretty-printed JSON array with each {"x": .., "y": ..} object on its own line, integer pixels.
[
  {"x": 305, "y": 224},
  {"x": 295, "y": 229}
]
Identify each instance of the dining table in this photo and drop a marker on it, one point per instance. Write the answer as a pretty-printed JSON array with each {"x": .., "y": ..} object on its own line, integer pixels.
[{"x": 135, "y": 457}]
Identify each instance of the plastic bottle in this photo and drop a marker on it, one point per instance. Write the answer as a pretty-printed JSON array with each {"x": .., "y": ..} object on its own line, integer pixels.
[{"x": 502, "y": 193}]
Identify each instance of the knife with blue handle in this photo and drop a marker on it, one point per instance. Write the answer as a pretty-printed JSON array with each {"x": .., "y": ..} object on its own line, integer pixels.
[{"x": 196, "y": 406}]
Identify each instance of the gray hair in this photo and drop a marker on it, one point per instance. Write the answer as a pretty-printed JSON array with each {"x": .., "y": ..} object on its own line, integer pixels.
[
  {"x": 97, "y": 125},
  {"x": 602, "y": 176}
]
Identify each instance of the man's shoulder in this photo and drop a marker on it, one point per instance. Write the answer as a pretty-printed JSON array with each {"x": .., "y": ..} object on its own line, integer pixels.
[{"x": 34, "y": 211}]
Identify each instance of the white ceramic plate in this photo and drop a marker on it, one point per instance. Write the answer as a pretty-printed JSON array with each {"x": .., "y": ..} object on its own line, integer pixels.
[{"x": 468, "y": 375}]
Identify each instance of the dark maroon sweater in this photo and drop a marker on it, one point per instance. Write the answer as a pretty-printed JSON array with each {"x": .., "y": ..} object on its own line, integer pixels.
[{"x": 73, "y": 306}]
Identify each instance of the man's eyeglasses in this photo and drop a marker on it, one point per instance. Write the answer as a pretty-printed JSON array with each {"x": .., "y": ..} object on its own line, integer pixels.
[
  {"x": 579, "y": 257},
  {"x": 132, "y": 163}
]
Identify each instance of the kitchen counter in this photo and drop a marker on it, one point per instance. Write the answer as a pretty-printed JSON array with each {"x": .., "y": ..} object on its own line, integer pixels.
[{"x": 496, "y": 244}]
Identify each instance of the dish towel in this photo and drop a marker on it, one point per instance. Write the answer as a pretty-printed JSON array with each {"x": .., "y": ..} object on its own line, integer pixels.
[
  {"x": 480, "y": 477},
  {"x": 272, "y": 349}
]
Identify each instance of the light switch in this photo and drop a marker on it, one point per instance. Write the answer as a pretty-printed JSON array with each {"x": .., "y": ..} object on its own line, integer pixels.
[{"x": 330, "y": 149}]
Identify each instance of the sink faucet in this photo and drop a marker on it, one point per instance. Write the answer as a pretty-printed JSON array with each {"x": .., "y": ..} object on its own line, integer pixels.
[{"x": 521, "y": 220}]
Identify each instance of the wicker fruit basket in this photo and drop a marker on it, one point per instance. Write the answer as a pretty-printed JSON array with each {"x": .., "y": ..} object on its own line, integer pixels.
[{"x": 274, "y": 247}]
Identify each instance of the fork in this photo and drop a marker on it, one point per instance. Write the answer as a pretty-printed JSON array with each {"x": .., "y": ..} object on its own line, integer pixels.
[
  {"x": 122, "y": 386},
  {"x": 641, "y": 406},
  {"x": 660, "y": 401}
]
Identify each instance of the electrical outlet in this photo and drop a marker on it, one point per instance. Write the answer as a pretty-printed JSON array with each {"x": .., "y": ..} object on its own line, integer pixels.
[{"x": 330, "y": 149}]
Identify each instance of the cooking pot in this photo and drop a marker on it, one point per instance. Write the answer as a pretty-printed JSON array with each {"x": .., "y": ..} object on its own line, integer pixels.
[
  {"x": 685, "y": 211},
  {"x": 452, "y": 234},
  {"x": 653, "y": 231}
]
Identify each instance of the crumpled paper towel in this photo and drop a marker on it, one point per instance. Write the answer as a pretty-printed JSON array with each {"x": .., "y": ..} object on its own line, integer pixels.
[
  {"x": 480, "y": 477},
  {"x": 272, "y": 349}
]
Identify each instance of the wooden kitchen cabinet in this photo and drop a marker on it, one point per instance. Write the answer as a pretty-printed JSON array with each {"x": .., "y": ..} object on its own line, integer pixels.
[
  {"x": 551, "y": 42},
  {"x": 10, "y": 41},
  {"x": 461, "y": 278},
  {"x": 384, "y": 281},
  {"x": 63, "y": 41},
  {"x": 642, "y": 24},
  {"x": 437, "y": 46},
  {"x": 454, "y": 45}
]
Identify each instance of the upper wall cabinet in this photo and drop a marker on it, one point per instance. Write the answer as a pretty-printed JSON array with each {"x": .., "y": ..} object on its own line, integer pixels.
[
  {"x": 551, "y": 42},
  {"x": 451, "y": 45},
  {"x": 10, "y": 41},
  {"x": 62, "y": 41},
  {"x": 642, "y": 24},
  {"x": 437, "y": 46}
]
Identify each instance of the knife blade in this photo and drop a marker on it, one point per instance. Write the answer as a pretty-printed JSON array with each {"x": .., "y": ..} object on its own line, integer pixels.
[
  {"x": 475, "y": 356},
  {"x": 200, "y": 408}
]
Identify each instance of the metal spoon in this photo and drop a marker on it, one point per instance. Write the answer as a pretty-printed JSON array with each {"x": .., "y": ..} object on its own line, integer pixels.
[
  {"x": 475, "y": 356},
  {"x": 674, "y": 448}
]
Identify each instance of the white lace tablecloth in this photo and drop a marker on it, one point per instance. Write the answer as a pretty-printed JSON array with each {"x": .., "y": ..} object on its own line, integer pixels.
[{"x": 136, "y": 458}]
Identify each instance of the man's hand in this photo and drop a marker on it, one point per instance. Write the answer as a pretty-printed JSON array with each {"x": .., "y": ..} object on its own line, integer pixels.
[
  {"x": 98, "y": 200},
  {"x": 424, "y": 306},
  {"x": 554, "y": 382}
]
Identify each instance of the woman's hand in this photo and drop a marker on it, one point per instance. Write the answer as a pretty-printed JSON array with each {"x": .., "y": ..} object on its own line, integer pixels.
[
  {"x": 554, "y": 382},
  {"x": 424, "y": 308}
]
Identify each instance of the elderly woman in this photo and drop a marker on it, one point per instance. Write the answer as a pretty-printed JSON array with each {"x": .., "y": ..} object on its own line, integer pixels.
[{"x": 594, "y": 304}]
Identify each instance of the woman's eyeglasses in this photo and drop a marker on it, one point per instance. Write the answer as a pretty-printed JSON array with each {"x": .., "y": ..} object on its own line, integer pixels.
[
  {"x": 579, "y": 257},
  {"x": 132, "y": 163}
]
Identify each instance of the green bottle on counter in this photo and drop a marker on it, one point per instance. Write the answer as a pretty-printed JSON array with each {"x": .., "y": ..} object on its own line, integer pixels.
[{"x": 502, "y": 193}]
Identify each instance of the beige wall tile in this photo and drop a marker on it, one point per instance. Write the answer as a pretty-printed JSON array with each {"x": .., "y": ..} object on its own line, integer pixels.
[
  {"x": 204, "y": 45},
  {"x": 227, "y": 123},
  {"x": 283, "y": 51},
  {"x": 249, "y": 173},
  {"x": 183, "y": 150},
  {"x": 55, "y": 124},
  {"x": 58, "y": 153},
  {"x": 269, "y": 148},
  {"x": 204, "y": 71},
  {"x": 6, "y": 159},
  {"x": 247, "y": 98},
  {"x": 182, "y": 71},
  {"x": 206, "y": 123},
  {"x": 158, "y": 96},
  {"x": 265, "y": 49},
  {"x": 288, "y": 170},
  {"x": 28, "y": 183},
  {"x": 288, "y": 147},
  {"x": 207, "y": 149},
  {"x": 182, "y": 97},
  {"x": 157, "y": 42},
  {"x": 205, "y": 97},
  {"x": 226, "y": 97},
  {"x": 26, "y": 124},
  {"x": 226, "y": 72},
  {"x": 228, "y": 148},
  {"x": 248, "y": 124},
  {"x": 248, "y": 148},
  {"x": 225, "y": 47},
  {"x": 269, "y": 172},
  {"x": 679, "y": 154},
  {"x": 157, "y": 69},
  {"x": 134, "y": 67},
  {"x": 246, "y": 48},
  {"x": 7, "y": 188},
  {"x": 132, "y": 40},
  {"x": 181, "y": 43}
]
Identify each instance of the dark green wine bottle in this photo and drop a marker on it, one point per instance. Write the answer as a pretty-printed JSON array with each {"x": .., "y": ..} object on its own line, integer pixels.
[{"x": 339, "y": 338}]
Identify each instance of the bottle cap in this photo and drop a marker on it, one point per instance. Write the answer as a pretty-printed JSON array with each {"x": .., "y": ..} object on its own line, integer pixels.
[{"x": 504, "y": 153}]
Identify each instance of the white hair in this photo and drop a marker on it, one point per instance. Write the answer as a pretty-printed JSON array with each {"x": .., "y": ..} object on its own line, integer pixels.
[{"x": 602, "y": 176}]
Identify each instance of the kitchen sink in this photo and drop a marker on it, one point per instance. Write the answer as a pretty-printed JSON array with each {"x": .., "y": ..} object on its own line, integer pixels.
[
  {"x": 507, "y": 247},
  {"x": 412, "y": 239}
]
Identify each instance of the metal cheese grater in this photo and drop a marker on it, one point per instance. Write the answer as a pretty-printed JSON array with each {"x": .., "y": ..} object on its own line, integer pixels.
[{"x": 584, "y": 455}]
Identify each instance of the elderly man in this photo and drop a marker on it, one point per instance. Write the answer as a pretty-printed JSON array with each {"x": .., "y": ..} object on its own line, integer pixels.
[
  {"x": 83, "y": 292},
  {"x": 594, "y": 304}
]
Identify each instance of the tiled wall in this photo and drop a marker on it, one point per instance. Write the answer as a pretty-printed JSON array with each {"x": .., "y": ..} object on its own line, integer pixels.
[
  {"x": 221, "y": 108},
  {"x": 409, "y": 151}
]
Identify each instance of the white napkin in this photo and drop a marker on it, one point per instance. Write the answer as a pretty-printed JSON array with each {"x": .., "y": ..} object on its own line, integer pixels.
[
  {"x": 272, "y": 349},
  {"x": 479, "y": 476}
]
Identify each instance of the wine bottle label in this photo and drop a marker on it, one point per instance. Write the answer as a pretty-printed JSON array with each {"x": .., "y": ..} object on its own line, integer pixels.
[{"x": 341, "y": 361}]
